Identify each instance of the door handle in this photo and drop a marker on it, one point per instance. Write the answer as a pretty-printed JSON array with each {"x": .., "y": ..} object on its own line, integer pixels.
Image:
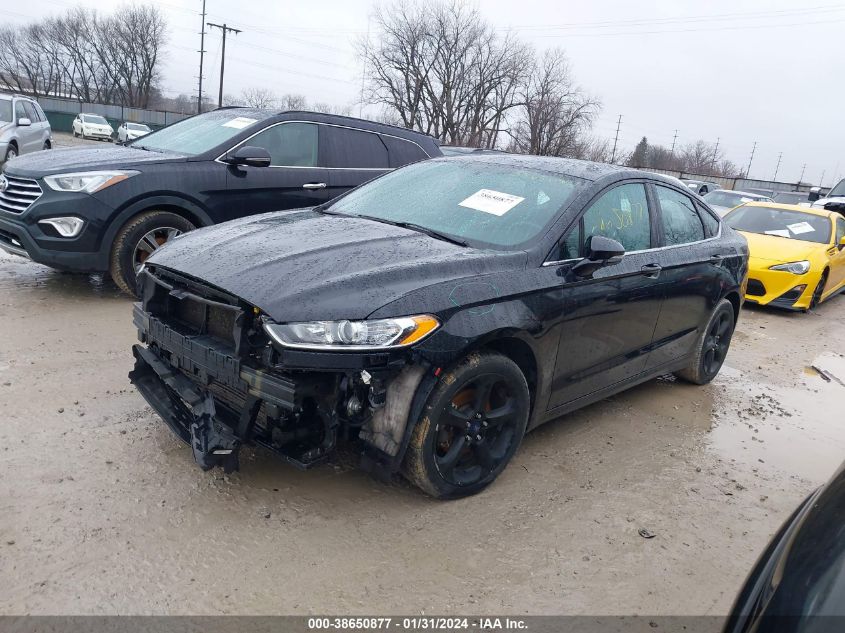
[
  {"x": 314, "y": 185},
  {"x": 652, "y": 271},
  {"x": 717, "y": 259}
]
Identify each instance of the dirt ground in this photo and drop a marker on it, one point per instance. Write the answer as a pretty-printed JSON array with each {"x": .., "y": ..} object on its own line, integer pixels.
[{"x": 102, "y": 511}]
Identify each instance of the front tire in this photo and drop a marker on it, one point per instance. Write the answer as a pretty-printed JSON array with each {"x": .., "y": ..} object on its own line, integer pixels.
[
  {"x": 138, "y": 239},
  {"x": 712, "y": 346},
  {"x": 11, "y": 153},
  {"x": 470, "y": 427},
  {"x": 819, "y": 291}
]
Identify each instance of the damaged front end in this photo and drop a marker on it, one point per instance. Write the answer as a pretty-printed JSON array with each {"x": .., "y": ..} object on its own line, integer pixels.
[{"x": 208, "y": 367}]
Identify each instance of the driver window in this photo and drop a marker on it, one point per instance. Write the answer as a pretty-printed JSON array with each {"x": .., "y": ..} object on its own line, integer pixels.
[
  {"x": 621, "y": 214},
  {"x": 289, "y": 144},
  {"x": 840, "y": 230}
]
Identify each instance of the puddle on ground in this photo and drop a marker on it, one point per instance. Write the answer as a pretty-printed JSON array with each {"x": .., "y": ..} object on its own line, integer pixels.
[
  {"x": 798, "y": 428},
  {"x": 23, "y": 275}
]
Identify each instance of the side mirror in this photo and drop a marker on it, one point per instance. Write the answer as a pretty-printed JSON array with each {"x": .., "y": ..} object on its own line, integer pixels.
[
  {"x": 601, "y": 251},
  {"x": 815, "y": 194},
  {"x": 842, "y": 242},
  {"x": 24, "y": 122},
  {"x": 250, "y": 156}
]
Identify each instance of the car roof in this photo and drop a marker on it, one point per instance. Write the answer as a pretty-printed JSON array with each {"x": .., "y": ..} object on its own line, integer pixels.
[
  {"x": 584, "y": 169},
  {"x": 792, "y": 207}
]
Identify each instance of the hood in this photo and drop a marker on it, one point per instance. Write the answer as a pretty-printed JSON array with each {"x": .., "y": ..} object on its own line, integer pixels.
[
  {"x": 301, "y": 265},
  {"x": 819, "y": 204},
  {"x": 779, "y": 249},
  {"x": 85, "y": 158}
]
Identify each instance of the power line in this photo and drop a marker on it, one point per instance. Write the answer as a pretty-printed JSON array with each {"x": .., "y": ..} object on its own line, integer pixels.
[
  {"x": 616, "y": 140},
  {"x": 748, "y": 169},
  {"x": 225, "y": 29},
  {"x": 202, "y": 53},
  {"x": 777, "y": 167}
]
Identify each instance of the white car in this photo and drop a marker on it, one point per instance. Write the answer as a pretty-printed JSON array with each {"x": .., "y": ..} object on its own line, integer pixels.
[
  {"x": 130, "y": 131},
  {"x": 92, "y": 126},
  {"x": 723, "y": 200},
  {"x": 835, "y": 195}
]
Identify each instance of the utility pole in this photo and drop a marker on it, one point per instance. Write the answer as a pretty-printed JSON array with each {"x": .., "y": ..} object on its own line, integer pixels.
[
  {"x": 715, "y": 155},
  {"x": 202, "y": 52},
  {"x": 777, "y": 167},
  {"x": 821, "y": 180},
  {"x": 674, "y": 138},
  {"x": 748, "y": 169},
  {"x": 801, "y": 177},
  {"x": 225, "y": 29},
  {"x": 616, "y": 140}
]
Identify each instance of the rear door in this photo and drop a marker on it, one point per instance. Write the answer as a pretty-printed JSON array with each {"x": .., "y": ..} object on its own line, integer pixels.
[
  {"x": 691, "y": 273},
  {"x": 295, "y": 177},
  {"x": 353, "y": 157},
  {"x": 609, "y": 320}
]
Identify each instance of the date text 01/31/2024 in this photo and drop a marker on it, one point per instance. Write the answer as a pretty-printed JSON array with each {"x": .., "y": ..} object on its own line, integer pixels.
[{"x": 415, "y": 624}]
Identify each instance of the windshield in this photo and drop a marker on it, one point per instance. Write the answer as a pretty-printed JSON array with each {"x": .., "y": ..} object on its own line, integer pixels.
[
  {"x": 790, "y": 197},
  {"x": 728, "y": 198},
  {"x": 5, "y": 110},
  {"x": 138, "y": 127},
  {"x": 198, "y": 134},
  {"x": 838, "y": 190},
  {"x": 483, "y": 203},
  {"x": 795, "y": 225},
  {"x": 93, "y": 118}
]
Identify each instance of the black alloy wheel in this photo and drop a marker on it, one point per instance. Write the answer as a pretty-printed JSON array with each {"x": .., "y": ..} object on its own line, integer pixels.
[
  {"x": 472, "y": 426},
  {"x": 712, "y": 347},
  {"x": 819, "y": 291}
]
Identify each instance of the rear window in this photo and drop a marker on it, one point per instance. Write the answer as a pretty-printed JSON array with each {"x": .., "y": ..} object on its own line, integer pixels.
[
  {"x": 794, "y": 225},
  {"x": 353, "y": 149},
  {"x": 485, "y": 204},
  {"x": 727, "y": 199},
  {"x": 402, "y": 152}
]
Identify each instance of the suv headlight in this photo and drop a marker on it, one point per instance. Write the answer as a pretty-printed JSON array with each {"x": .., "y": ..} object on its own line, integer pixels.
[
  {"x": 796, "y": 268},
  {"x": 373, "y": 334},
  {"x": 87, "y": 181}
]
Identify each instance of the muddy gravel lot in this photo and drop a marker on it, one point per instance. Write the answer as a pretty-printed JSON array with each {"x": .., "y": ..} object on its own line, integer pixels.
[{"x": 102, "y": 510}]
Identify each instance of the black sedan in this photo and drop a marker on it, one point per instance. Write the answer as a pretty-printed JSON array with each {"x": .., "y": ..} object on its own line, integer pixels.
[{"x": 435, "y": 315}]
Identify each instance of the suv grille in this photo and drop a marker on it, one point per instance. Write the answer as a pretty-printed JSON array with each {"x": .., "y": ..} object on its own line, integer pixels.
[{"x": 19, "y": 194}]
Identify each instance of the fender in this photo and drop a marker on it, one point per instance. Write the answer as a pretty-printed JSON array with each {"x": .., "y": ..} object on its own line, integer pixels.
[{"x": 138, "y": 206}]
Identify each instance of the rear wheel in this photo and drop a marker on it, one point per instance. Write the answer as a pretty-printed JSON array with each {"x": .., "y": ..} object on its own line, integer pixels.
[
  {"x": 712, "y": 346},
  {"x": 470, "y": 427},
  {"x": 819, "y": 291},
  {"x": 138, "y": 239}
]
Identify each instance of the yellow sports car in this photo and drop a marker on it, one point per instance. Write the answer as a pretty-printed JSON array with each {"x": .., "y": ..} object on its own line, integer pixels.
[{"x": 797, "y": 254}]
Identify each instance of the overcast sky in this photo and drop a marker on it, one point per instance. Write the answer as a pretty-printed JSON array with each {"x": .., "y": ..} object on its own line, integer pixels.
[{"x": 770, "y": 71}]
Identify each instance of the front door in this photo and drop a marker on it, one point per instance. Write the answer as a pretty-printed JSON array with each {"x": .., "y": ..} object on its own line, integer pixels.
[
  {"x": 609, "y": 318},
  {"x": 294, "y": 179},
  {"x": 28, "y": 136},
  {"x": 836, "y": 277}
]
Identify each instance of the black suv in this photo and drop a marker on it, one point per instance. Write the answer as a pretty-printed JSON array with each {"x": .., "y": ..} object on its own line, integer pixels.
[{"x": 98, "y": 209}]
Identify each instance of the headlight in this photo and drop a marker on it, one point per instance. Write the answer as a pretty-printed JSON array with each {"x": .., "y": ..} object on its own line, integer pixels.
[
  {"x": 87, "y": 181},
  {"x": 353, "y": 335},
  {"x": 67, "y": 227},
  {"x": 796, "y": 268}
]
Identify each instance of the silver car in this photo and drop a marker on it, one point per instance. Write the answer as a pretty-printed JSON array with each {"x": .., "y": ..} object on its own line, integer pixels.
[
  {"x": 723, "y": 200},
  {"x": 23, "y": 127}
]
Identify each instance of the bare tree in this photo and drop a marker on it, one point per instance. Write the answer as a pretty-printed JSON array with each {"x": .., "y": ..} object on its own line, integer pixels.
[
  {"x": 108, "y": 59},
  {"x": 556, "y": 111},
  {"x": 293, "y": 102},
  {"x": 259, "y": 98},
  {"x": 442, "y": 69}
]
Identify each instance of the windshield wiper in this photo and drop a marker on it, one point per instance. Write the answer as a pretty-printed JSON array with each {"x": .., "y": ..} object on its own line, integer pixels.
[{"x": 416, "y": 227}]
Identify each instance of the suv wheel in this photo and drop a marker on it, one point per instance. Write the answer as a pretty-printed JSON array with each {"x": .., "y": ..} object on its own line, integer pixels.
[
  {"x": 11, "y": 152},
  {"x": 712, "y": 346},
  {"x": 138, "y": 239},
  {"x": 470, "y": 427}
]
